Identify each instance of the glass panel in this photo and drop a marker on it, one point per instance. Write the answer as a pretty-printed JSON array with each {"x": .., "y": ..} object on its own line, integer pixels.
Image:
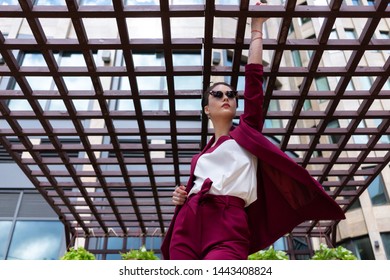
[
  {"x": 50, "y": 3},
  {"x": 153, "y": 243},
  {"x": 350, "y": 33},
  {"x": 133, "y": 243},
  {"x": 5, "y": 227},
  {"x": 9, "y": 2},
  {"x": 113, "y": 257},
  {"x": 187, "y": 2},
  {"x": 377, "y": 191},
  {"x": 33, "y": 59},
  {"x": 38, "y": 83},
  {"x": 300, "y": 243},
  {"x": 335, "y": 137},
  {"x": 37, "y": 240},
  {"x": 322, "y": 83},
  {"x": 141, "y": 2},
  {"x": 95, "y": 243},
  {"x": 188, "y": 82},
  {"x": 188, "y": 104},
  {"x": 364, "y": 248},
  {"x": 296, "y": 58},
  {"x": 96, "y": 2},
  {"x": 115, "y": 243},
  {"x": 147, "y": 59},
  {"x": 227, "y": 2},
  {"x": 386, "y": 243},
  {"x": 19, "y": 105},
  {"x": 280, "y": 244},
  {"x": 186, "y": 59}
]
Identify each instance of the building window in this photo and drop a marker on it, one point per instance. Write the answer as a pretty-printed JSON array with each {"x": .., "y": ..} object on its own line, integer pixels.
[
  {"x": 273, "y": 123},
  {"x": 307, "y": 105},
  {"x": 386, "y": 243},
  {"x": 9, "y": 2},
  {"x": 49, "y": 2},
  {"x": 141, "y": 2},
  {"x": 291, "y": 29},
  {"x": 304, "y": 20},
  {"x": 350, "y": 33},
  {"x": 296, "y": 58},
  {"x": 36, "y": 240},
  {"x": 333, "y": 34},
  {"x": 377, "y": 191},
  {"x": 384, "y": 35},
  {"x": 384, "y": 138},
  {"x": 355, "y": 205},
  {"x": 322, "y": 83},
  {"x": 334, "y": 138},
  {"x": 360, "y": 247},
  {"x": 360, "y": 138},
  {"x": 5, "y": 230},
  {"x": 356, "y": 2},
  {"x": 29, "y": 229}
]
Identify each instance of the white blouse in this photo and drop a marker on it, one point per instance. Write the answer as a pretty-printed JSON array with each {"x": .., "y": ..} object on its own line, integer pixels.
[{"x": 231, "y": 168}]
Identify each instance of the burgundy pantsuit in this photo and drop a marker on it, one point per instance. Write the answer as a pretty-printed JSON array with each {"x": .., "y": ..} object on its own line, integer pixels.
[{"x": 286, "y": 193}]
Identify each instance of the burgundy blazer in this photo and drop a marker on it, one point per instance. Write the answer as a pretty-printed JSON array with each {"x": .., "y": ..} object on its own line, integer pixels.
[{"x": 287, "y": 195}]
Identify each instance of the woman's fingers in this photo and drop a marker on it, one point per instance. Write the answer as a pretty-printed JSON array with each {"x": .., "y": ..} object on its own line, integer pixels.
[{"x": 179, "y": 195}]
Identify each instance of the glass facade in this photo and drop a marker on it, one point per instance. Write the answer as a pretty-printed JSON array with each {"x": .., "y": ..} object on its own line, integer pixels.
[
  {"x": 360, "y": 247},
  {"x": 386, "y": 243},
  {"x": 44, "y": 241},
  {"x": 377, "y": 191},
  {"x": 29, "y": 231}
]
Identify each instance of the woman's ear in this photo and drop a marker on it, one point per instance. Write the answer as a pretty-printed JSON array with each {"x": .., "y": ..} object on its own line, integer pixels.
[{"x": 206, "y": 109}]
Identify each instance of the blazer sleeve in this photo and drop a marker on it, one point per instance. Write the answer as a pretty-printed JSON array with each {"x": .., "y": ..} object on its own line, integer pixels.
[{"x": 253, "y": 96}]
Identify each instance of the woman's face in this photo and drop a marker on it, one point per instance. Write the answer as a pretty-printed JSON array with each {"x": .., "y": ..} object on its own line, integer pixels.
[{"x": 221, "y": 106}]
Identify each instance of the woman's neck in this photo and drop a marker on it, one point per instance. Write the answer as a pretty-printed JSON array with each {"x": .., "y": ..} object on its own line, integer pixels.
[{"x": 221, "y": 129}]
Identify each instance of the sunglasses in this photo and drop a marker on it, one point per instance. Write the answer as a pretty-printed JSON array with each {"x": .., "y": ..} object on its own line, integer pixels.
[{"x": 231, "y": 94}]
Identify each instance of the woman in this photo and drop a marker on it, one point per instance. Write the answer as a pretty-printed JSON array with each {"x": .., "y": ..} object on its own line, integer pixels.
[{"x": 243, "y": 193}]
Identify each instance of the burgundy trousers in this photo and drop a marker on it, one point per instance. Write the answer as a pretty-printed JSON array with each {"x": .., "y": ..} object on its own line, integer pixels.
[{"x": 210, "y": 227}]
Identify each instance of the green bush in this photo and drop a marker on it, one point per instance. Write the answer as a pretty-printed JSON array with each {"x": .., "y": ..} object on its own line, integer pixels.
[
  {"x": 269, "y": 254},
  {"x": 140, "y": 254},
  {"x": 339, "y": 253},
  {"x": 78, "y": 254}
]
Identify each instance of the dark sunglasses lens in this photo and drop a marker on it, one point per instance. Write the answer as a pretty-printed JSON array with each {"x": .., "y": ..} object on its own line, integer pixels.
[
  {"x": 231, "y": 94},
  {"x": 217, "y": 94}
]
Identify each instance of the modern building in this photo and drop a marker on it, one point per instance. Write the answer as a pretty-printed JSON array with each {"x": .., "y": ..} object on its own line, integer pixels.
[{"x": 101, "y": 115}]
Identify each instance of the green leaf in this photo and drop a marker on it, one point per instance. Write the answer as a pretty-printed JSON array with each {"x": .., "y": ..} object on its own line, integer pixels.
[
  {"x": 269, "y": 254},
  {"x": 140, "y": 254},
  {"x": 78, "y": 254},
  {"x": 339, "y": 253}
]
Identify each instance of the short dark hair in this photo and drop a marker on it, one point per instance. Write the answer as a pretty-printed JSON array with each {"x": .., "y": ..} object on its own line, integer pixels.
[{"x": 206, "y": 93}]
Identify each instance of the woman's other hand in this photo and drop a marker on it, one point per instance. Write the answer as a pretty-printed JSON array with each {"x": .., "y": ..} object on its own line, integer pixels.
[
  {"x": 257, "y": 22},
  {"x": 179, "y": 195}
]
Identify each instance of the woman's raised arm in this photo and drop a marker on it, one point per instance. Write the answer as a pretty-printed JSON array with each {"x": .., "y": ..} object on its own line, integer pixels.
[{"x": 253, "y": 94}]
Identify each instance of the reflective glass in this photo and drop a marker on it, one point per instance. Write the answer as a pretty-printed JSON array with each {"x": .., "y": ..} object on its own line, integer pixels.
[
  {"x": 386, "y": 243},
  {"x": 50, "y": 3},
  {"x": 133, "y": 243},
  {"x": 5, "y": 227},
  {"x": 114, "y": 243},
  {"x": 37, "y": 240},
  {"x": 141, "y": 2},
  {"x": 377, "y": 191},
  {"x": 153, "y": 243},
  {"x": 96, "y": 2},
  {"x": 9, "y": 2}
]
